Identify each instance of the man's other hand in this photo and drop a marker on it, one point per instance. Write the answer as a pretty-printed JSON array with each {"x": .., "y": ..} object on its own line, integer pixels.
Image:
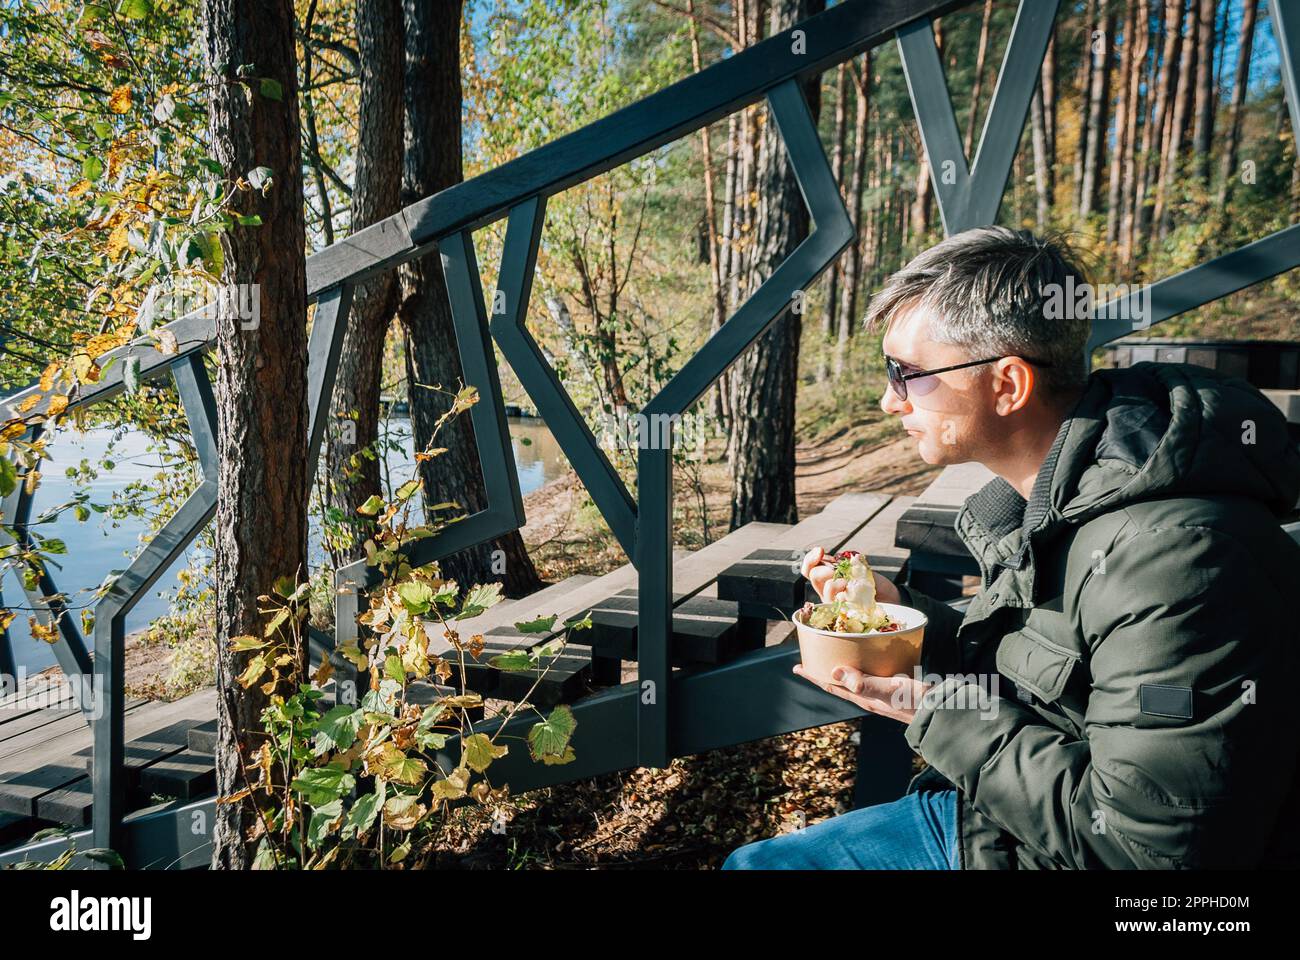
[{"x": 830, "y": 587}]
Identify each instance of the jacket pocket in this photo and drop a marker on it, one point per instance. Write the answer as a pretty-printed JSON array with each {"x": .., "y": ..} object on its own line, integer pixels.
[{"x": 1036, "y": 663}]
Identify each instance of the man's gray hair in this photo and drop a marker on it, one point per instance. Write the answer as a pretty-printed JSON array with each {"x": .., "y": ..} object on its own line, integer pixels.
[{"x": 988, "y": 288}]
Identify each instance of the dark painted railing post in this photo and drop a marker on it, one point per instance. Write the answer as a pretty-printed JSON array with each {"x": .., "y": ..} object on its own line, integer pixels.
[{"x": 654, "y": 563}]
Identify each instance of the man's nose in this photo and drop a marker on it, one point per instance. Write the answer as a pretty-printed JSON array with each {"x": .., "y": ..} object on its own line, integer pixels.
[{"x": 891, "y": 403}]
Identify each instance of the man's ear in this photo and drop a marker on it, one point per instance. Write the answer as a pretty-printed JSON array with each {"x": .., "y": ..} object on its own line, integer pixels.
[{"x": 1014, "y": 383}]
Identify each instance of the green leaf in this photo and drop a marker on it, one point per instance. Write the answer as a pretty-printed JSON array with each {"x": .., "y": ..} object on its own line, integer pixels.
[
  {"x": 480, "y": 751},
  {"x": 397, "y": 766},
  {"x": 407, "y": 490},
  {"x": 548, "y": 740},
  {"x": 251, "y": 221},
  {"x": 372, "y": 506},
  {"x": 92, "y": 168},
  {"x": 430, "y": 741},
  {"x": 338, "y": 729},
  {"x": 540, "y": 625},
  {"x": 321, "y": 785},
  {"x": 362, "y": 815},
  {"x": 8, "y": 477},
  {"x": 131, "y": 374},
  {"x": 394, "y": 670},
  {"x": 322, "y": 818},
  {"x": 417, "y": 597},
  {"x": 271, "y": 89},
  {"x": 134, "y": 9},
  {"x": 481, "y": 597},
  {"x": 513, "y": 662}
]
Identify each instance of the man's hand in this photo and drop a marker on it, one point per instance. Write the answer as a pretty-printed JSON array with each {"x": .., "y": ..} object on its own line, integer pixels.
[
  {"x": 828, "y": 586},
  {"x": 894, "y": 697}
]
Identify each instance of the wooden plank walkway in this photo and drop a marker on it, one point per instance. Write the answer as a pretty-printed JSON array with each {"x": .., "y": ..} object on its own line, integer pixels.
[{"x": 46, "y": 744}]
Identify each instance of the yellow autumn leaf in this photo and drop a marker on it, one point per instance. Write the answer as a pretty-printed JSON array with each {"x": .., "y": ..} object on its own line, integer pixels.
[
  {"x": 48, "y": 375},
  {"x": 6, "y": 618},
  {"x": 101, "y": 343},
  {"x": 116, "y": 242},
  {"x": 85, "y": 369},
  {"x": 120, "y": 101},
  {"x": 30, "y": 402},
  {"x": 58, "y": 404},
  {"x": 41, "y": 632},
  {"x": 78, "y": 188}
]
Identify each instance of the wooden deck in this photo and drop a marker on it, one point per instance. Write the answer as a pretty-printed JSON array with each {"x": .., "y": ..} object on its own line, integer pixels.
[{"x": 45, "y": 742}]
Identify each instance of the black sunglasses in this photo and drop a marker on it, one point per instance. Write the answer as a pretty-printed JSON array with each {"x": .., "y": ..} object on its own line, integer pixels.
[{"x": 898, "y": 379}]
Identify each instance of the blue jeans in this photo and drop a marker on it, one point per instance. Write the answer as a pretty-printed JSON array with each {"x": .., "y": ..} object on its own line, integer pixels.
[{"x": 916, "y": 832}]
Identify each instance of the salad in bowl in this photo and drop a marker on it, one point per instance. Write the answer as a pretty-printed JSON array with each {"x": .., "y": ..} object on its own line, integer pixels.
[{"x": 856, "y": 630}]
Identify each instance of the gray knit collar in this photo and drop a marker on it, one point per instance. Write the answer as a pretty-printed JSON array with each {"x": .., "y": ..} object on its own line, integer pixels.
[{"x": 997, "y": 511}]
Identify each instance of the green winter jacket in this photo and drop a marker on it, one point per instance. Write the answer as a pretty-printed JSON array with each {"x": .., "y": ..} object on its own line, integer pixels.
[{"x": 1138, "y": 625}]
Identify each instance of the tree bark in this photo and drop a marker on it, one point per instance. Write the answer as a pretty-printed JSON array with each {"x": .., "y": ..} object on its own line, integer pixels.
[
  {"x": 1038, "y": 137},
  {"x": 1228, "y": 173},
  {"x": 1170, "y": 164},
  {"x": 1121, "y": 129},
  {"x": 433, "y": 163},
  {"x": 261, "y": 390},
  {"x": 765, "y": 377},
  {"x": 1137, "y": 66},
  {"x": 830, "y": 309},
  {"x": 848, "y": 306},
  {"x": 710, "y": 215},
  {"x": 1155, "y": 133},
  {"x": 1083, "y": 81},
  {"x": 1203, "y": 132},
  {"x": 351, "y": 477},
  {"x": 1098, "y": 106},
  {"x": 977, "y": 88}
]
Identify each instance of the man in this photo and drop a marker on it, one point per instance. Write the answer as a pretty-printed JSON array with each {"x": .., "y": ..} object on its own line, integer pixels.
[{"x": 1137, "y": 618}]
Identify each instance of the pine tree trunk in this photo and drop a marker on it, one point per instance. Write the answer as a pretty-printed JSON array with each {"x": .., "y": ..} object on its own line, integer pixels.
[
  {"x": 830, "y": 309},
  {"x": 1228, "y": 172},
  {"x": 1156, "y": 132},
  {"x": 261, "y": 391},
  {"x": 1121, "y": 129},
  {"x": 351, "y": 477},
  {"x": 1203, "y": 132},
  {"x": 848, "y": 311},
  {"x": 1137, "y": 66},
  {"x": 1098, "y": 106},
  {"x": 977, "y": 88},
  {"x": 1038, "y": 137},
  {"x": 1171, "y": 163},
  {"x": 766, "y": 378},
  {"x": 710, "y": 214},
  {"x": 1083, "y": 81},
  {"x": 432, "y": 163}
]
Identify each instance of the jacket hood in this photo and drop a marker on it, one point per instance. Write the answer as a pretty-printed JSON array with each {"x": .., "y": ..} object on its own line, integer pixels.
[{"x": 1153, "y": 430}]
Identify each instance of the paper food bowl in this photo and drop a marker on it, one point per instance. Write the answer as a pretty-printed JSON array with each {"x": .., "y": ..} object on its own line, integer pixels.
[{"x": 876, "y": 653}]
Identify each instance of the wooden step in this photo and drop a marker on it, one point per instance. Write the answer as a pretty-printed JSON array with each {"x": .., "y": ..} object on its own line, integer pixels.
[
  {"x": 49, "y": 779},
  {"x": 769, "y": 584},
  {"x": 185, "y": 776},
  {"x": 203, "y": 737},
  {"x": 558, "y": 679},
  {"x": 705, "y": 629}
]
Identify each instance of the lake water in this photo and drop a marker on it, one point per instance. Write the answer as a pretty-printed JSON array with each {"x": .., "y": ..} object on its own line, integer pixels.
[{"x": 100, "y": 544}]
